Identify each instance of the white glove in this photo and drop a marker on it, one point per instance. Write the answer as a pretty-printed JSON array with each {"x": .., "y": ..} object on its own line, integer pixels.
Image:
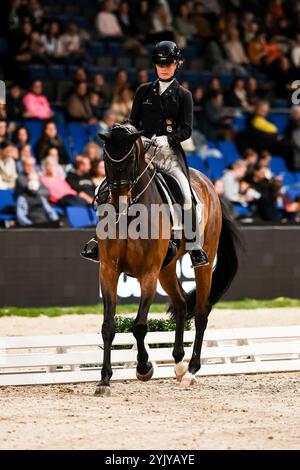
[{"x": 161, "y": 141}]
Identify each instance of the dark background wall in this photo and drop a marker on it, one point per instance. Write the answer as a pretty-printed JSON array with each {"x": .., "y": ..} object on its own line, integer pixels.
[{"x": 43, "y": 268}]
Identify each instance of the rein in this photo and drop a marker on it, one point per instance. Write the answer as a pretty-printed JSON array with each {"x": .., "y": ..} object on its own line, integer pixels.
[{"x": 132, "y": 200}]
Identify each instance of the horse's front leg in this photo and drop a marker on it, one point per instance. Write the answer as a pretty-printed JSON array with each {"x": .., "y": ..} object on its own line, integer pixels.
[
  {"x": 109, "y": 280},
  {"x": 144, "y": 370}
]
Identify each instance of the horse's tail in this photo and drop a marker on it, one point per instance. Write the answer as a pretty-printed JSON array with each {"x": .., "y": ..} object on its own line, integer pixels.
[{"x": 227, "y": 263}]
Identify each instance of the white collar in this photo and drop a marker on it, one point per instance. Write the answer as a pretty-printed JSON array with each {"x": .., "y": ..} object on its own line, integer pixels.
[{"x": 164, "y": 85}]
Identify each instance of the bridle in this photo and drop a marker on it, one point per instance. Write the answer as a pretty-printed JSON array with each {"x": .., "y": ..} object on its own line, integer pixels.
[{"x": 121, "y": 165}]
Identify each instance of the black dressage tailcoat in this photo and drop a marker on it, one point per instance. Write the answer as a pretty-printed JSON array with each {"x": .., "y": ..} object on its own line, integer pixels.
[{"x": 169, "y": 114}]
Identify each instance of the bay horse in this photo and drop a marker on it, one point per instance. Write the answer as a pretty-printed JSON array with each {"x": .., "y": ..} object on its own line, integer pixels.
[{"x": 127, "y": 175}]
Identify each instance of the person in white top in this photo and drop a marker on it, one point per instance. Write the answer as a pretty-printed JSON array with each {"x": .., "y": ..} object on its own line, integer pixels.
[{"x": 106, "y": 22}]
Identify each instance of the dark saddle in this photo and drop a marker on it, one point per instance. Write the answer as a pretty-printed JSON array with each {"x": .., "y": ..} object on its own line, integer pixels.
[{"x": 168, "y": 183}]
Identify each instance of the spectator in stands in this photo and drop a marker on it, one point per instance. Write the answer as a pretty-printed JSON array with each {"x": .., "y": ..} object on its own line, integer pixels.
[
  {"x": 36, "y": 12},
  {"x": 108, "y": 121},
  {"x": 33, "y": 209},
  {"x": 201, "y": 23},
  {"x": 218, "y": 58},
  {"x": 92, "y": 151},
  {"x": 236, "y": 52},
  {"x": 60, "y": 191},
  {"x": 107, "y": 24},
  {"x": 99, "y": 85},
  {"x": 285, "y": 75},
  {"x": 237, "y": 97},
  {"x": 3, "y": 131},
  {"x": 292, "y": 133},
  {"x": 250, "y": 157},
  {"x": 80, "y": 75},
  {"x": 22, "y": 42},
  {"x": 8, "y": 172},
  {"x": 264, "y": 161},
  {"x": 36, "y": 104},
  {"x": 14, "y": 106},
  {"x": 97, "y": 105},
  {"x": 98, "y": 172},
  {"x": 295, "y": 52},
  {"x": 120, "y": 83},
  {"x": 262, "y": 134},
  {"x": 213, "y": 122},
  {"x": 198, "y": 98},
  {"x": 142, "y": 20},
  {"x": 69, "y": 44},
  {"x": 233, "y": 190},
  {"x": 161, "y": 24},
  {"x": 122, "y": 104},
  {"x": 48, "y": 139},
  {"x": 251, "y": 90},
  {"x": 50, "y": 40},
  {"x": 78, "y": 106},
  {"x": 268, "y": 192},
  {"x": 220, "y": 190},
  {"x": 124, "y": 19},
  {"x": 25, "y": 151},
  {"x": 80, "y": 180},
  {"x": 142, "y": 77},
  {"x": 59, "y": 169},
  {"x": 183, "y": 23},
  {"x": 20, "y": 136},
  {"x": 213, "y": 86}
]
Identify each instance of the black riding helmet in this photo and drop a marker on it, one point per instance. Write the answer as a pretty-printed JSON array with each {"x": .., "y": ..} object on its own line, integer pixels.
[{"x": 167, "y": 52}]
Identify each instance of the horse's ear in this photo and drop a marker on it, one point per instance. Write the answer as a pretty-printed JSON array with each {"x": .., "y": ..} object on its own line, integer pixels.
[
  {"x": 104, "y": 136},
  {"x": 134, "y": 137}
]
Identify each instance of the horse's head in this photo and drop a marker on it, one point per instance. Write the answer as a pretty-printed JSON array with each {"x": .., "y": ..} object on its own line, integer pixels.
[{"x": 122, "y": 154}]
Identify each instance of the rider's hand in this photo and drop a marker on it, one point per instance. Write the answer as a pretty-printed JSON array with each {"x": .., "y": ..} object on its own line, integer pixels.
[{"x": 161, "y": 141}]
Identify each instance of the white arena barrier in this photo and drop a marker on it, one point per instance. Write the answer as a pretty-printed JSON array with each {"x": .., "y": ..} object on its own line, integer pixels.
[{"x": 78, "y": 358}]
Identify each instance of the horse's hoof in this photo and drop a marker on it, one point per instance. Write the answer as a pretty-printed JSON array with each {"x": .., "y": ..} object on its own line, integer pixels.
[
  {"x": 180, "y": 369},
  {"x": 102, "y": 390},
  {"x": 145, "y": 377},
  {"x": 187, "y": 380}
]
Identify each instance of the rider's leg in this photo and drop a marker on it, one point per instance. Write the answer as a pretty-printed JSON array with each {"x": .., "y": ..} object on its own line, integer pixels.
[
  {"x": 193, "y": 233},
  {"x": 90, "y": 251}
]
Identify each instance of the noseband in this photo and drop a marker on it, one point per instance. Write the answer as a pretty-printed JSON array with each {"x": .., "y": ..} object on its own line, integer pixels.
[{"x": 121, "y": 165}]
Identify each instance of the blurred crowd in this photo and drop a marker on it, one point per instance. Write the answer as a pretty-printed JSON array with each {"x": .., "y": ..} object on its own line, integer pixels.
[{"x": 251, "y": 51}]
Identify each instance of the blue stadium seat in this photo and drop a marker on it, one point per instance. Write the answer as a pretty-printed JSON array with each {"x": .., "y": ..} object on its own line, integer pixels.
[
  {"x": 37, "y": 71},
  {"x": 190, "y": 52},
  {"x": 242, "y": 210},
  {"x": 7, "y": 204},
  {"x": 79, "y": 216},
  {"x": 35, "y": 127},
  {"x": 57, "y": 72},
  {"x": 216, "y": 167},
  {"x": 297, "y": 176},
  {"x": 293, "y": 192},
  {"x": 96, "y": 48},
  {"x": 280, "y": 120},
  {"x": 277, "y": 165},
  {"x": 239, "y": 123},
  {"x": 229, "y": 151},
  {"x": 79, "y": 136},
  {"x": 116, "y": 49},
  {"x": 226, "y": 81},
  {"x": 93, "y": 216},
  {"x": 194, "y": 161},
  {"x": 191, "y": 77},
  {"x": 288, "y": 178}
]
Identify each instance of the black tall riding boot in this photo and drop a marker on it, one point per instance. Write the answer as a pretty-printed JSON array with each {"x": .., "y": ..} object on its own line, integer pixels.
[{"x": 198, "y": 255}]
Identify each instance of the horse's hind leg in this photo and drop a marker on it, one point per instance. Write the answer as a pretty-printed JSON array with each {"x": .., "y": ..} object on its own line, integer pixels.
[
  {"x": 108, "y": 281},
  {"x": 202, "y": 308},
  {"x": 171, "y": 285},
  {"x": 144, "y": 369}
]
